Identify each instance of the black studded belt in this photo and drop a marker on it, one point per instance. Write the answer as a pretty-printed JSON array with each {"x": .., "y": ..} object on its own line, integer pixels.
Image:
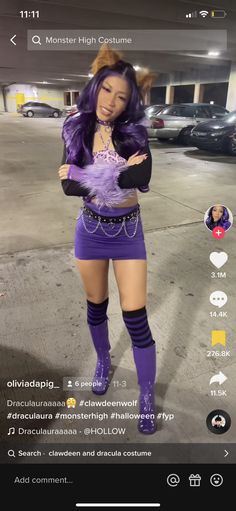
[{"x": 116, "y": 219}]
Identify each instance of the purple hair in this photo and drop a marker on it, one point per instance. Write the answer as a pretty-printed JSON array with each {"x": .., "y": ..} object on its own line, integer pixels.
[
  {"x": 222, "y": 222},
  {"x": 128, "y": 136}
]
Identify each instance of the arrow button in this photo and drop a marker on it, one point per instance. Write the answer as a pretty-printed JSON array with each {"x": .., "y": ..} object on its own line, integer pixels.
[
  {"x": 226, "y": 453},
  {"x": 12, "y": 40},
  {"x": 218, "y": 378}
]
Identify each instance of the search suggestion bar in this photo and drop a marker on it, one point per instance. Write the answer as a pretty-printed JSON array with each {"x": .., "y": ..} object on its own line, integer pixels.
[{"x": 133, "y": 40}]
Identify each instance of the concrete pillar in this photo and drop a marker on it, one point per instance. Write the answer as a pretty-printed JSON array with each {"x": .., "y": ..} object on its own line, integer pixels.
[
  {"x": 147, "y": 97},
  {"x": 170, "y": 90},
  {"x": 2, "y": 102},
  {"x": 231, "y": 96},
  {"x": 198, "y": 93}
]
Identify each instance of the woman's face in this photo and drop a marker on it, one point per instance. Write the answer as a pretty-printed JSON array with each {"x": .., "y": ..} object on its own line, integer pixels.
[
  {"x": 217, "y": 212},
  {"x": 112, "y": 98}
]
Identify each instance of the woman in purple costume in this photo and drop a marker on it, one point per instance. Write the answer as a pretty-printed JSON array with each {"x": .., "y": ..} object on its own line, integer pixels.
[
  {"x": 106, "y": 159},
  {"x": 218, "y": 215}
]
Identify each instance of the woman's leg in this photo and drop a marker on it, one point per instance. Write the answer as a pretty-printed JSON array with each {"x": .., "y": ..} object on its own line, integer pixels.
[
  {"x": 131, "y": 278},
  {"x": 94, "y": 274}
]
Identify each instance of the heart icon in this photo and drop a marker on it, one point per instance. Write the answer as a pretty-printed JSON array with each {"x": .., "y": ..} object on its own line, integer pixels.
[{"x": 218, "y": 258}]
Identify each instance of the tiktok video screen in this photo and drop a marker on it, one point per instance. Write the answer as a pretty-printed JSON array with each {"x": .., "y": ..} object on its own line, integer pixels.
[{"x": 117, "y": 251}]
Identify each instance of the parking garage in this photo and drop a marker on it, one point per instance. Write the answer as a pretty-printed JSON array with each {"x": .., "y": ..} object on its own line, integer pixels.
[{"x": 44, "y": 328}]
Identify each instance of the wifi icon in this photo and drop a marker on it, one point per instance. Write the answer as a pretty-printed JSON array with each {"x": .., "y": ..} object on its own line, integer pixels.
[{"x": 203, "y": 13}]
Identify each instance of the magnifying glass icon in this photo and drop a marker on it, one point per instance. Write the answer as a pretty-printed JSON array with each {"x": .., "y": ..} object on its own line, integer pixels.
[
  {"x": 36, "y": 39},
  {"x": 11, "y": 453}
]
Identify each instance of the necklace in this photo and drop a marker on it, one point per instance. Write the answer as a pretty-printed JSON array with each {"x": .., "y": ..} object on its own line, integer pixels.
[
  {"x": 108, "y": 128},
  {"x": 107, "y": 143}
]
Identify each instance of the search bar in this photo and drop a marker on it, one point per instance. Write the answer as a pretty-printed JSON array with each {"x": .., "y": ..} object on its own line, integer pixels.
[{"x": 133, "y": 40}]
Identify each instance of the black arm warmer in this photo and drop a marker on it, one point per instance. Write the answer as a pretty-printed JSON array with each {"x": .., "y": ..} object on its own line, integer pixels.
[
  {"x": 137, "y": 175},
  {"x": 71, "y": 187}
]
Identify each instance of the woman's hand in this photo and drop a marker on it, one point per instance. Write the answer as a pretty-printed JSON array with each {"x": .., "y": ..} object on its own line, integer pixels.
[
  {"x": 136, "y": 158},
  {"x": 63, "y": 171}
]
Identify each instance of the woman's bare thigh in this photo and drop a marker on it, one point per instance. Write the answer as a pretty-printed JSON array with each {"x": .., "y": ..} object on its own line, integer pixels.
[
  {"x": 131, "y": 278},
  {"x": 94, "y": 275}
]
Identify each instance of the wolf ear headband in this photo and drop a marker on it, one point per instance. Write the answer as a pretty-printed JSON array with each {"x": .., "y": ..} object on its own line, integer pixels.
[{"x": 108, "y": 57}]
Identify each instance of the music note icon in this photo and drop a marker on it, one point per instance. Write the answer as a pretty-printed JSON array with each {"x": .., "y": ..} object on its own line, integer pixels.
[{"x": 11, "y": 431}]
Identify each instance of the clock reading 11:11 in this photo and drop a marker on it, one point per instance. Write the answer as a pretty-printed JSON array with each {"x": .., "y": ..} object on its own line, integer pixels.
[{"x": 29, "y": 14}]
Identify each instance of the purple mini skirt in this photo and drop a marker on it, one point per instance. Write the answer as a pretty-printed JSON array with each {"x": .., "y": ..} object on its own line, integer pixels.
[{"x": 94, "y": 240}]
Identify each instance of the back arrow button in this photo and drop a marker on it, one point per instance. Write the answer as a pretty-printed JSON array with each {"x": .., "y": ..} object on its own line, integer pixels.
[{"x": 12, "y": 39}]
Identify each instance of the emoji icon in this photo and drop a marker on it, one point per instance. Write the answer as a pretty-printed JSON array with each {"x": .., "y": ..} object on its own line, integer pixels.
[
  {"x": 218, "y": 378},
  {"x": 218, "y": 337},
  {"x": 216, "y": 480},
  {"x": 218, "y": 298},
  {"x": 218, "y": 259},
  {"x": 71, "y": 402},
  {"x": 218, "y": 422}
]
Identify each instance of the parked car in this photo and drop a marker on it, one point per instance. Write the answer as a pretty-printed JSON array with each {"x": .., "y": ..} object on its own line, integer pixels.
[
  {"x": 70, "y": 110},
  {"x": 34, "y": 108},
  {"x": 152, "y": 110},
  {"x": 176, "y": 121},
  {"x": 20, "y": 107},
  {"x": 151, "y": 113},
  {"x": 216, "y": 135}
]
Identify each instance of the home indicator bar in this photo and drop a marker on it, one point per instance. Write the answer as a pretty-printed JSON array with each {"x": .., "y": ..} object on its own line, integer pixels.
[{"x": 131, "y": 504}]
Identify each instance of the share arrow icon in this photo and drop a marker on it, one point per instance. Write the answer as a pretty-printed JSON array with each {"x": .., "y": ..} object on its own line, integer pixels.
[{"x": 218, "y": 378}]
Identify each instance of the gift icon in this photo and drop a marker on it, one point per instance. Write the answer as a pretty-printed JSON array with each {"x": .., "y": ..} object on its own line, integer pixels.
[{"x": 194, "y": 480}]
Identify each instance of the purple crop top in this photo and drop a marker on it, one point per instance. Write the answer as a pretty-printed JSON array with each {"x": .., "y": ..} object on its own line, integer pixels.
[{"x": 108, "y": 155}]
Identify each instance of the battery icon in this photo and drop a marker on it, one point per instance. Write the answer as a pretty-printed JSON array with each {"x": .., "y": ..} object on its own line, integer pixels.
[{"x": 217, "y": 13}]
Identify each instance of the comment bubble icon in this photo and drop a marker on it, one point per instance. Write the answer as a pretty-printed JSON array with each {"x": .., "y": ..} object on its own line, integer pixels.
[{"x": 218, "y": 298}]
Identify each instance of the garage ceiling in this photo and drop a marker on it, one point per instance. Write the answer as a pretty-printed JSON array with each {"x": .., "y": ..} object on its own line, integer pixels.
[{"x": 19, "y": 65}]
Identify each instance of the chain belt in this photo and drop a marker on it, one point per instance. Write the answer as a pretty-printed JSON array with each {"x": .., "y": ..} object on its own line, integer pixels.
[
  {"x": 115, "y": 219},
  {"x": 132, "y": 217}
]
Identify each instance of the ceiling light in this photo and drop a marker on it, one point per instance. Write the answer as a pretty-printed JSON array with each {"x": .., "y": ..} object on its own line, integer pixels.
[
  {"x": 63, "y": 79},
  {"x": 213, "y": 53},
  {"x": 44, "y": 83},
  {"x": 137, "y": 68}
]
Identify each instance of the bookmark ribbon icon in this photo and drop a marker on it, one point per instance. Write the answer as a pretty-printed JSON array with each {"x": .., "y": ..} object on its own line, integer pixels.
[{"x": 218, "y": 337}]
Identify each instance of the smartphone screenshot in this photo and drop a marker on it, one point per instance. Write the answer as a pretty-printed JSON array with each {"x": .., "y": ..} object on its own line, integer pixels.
[{"x": 117, "y": 254}]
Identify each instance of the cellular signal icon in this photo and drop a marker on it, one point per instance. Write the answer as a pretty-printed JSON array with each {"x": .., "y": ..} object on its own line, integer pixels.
[
  {"x": 191, "y": 15},
  {"x": 203, "y": 13}
]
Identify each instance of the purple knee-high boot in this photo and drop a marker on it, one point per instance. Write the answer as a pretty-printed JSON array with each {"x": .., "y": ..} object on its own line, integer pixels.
[
  {"x": 99, "y": 334},
  {"x": 145, "y": 361}
]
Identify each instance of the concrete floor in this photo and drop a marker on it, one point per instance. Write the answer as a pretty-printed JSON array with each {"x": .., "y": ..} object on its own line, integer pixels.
[{"x": 43, "y": 312}]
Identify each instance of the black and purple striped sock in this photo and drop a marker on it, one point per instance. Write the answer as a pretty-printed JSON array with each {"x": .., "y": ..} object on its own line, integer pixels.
[
  {"x": 96, "y": 312},
  {"x": 137, "y": 325}
]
